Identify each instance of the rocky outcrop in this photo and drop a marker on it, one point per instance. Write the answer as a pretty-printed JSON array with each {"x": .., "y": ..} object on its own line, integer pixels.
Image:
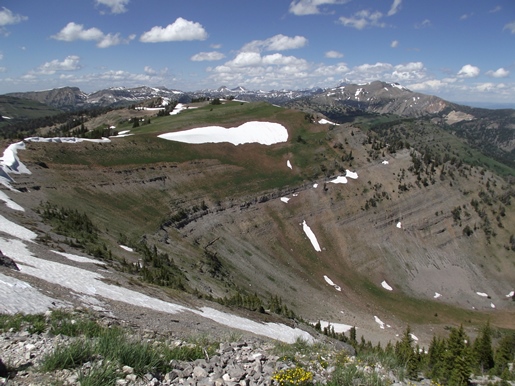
[
  {"x": 3, "y": 370},
  {"x": 7, "y": 262}
]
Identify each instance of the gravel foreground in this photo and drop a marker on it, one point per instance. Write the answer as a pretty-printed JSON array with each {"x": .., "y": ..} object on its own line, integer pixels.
[{"x": 235, "y": 361}]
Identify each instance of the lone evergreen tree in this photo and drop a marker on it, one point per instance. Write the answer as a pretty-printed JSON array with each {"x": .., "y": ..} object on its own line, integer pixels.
[{"x": 483, "y": 353}]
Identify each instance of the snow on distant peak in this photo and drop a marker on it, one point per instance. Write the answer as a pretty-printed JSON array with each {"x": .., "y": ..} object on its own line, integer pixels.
[{"x": 397, "y": 85}]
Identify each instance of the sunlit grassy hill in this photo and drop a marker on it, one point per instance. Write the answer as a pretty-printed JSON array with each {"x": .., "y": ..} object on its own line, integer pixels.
[{"x": 418, "y": 216}]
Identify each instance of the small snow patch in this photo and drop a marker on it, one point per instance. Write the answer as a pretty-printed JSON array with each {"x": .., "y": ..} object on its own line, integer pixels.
[
  {"x": 510, "y": 295},
  {"x": 413, "y": 337},
  {"x": 437, "y": 295},
  {"x": 311, "y": 236},
  {"x": 339, "y": 180},
  {"x": 399, "y": 225},
  {"x": 385, "y": 162},
  {"x": 285, "y": 199},
  {"x": 331, "y": 283},
  {"x": 288, "y": 163},
  {"x": 326, "y": 122},
  {"x": 482, "y": 294},
  {"x": 492, "y": 305},
  {"x": 386, "y": 286},
  {"x": 315, "y": 186},
  {"x": 10, "y": 203},
  {"x": 337, "y": 327},
  {"x": 379, "y": 321},
  {"x": 129, "y": 249},
  {"x": 350, "y": 174}
]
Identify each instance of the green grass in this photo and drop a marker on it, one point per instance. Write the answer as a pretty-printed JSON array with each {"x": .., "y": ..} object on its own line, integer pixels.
[
  {"x": 414, "y": 310},
  {"x": 74, "y": 326},
  {"x": 25, "y": 108},
  {"x": 352, "y": 375},
  {"x": 115, "y": 346},
  {"x": 247, "y": 169},
  {"x": 68, "y": 357},
  {"x": 300, "y": 348},
  {"x": 105, "y": 375},
  {"x": 34, "y": 323}
]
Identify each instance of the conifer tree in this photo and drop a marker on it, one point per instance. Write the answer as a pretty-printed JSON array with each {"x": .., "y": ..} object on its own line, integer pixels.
[
  {"x": 505, "y": 354},
  {"x": 483, "y": 353},
  {"x": 435, "y": 359},
  {"x": 406, "y": 356},
  {"x": 457, "y": 357}
]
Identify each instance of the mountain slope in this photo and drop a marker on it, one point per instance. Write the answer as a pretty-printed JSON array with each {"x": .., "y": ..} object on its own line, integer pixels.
[
  {"x": 421, "y": 222},
  {"x": 66, "y": 98},
  {"x": 19, "y": 108}
]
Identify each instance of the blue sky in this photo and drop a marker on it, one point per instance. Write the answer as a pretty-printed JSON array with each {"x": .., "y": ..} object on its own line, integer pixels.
[{"x": 461, "y": 50}]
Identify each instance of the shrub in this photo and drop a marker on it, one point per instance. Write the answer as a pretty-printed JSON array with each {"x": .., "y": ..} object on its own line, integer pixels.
[{"x": 293, "y": 377}]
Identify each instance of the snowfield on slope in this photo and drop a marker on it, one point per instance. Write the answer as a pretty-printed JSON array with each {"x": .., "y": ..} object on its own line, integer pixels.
[
  {"x": 264, "y": 133},
  {"x": 92, "y": 284}
]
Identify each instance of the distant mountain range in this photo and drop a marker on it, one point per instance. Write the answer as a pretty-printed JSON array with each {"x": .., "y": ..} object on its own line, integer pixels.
[
  {"x": 492, "y": 131},
  {"x": 375, "y": 97}
]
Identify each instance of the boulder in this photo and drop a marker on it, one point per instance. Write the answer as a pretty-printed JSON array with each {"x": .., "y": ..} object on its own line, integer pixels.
[
  {"x": 7, "y": 262},
  {"x": 3, "y": 370}
]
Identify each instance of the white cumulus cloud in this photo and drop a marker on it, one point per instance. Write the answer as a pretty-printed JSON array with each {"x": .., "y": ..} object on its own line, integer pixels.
[
  {"x": 468, "y": 71},
  {"x": 362, "y": 19},
  {"x": 180, "y": 30},
  {"x": 510, "y": 27},
  {"x": 499, "y": 73},
  {"x": 423, "y": 24},
  {"x": 73, "y": 31},
  {"x": 395, "y": 7},
  {"x": 7, "y": 17},
  {"x": 275, "y": 43},
  {"x": 70, "y": 63},
  {"x": 311, "y": 7},
  {"x": 333, "y": 54},
  {"x": 207, "y": 56},
  {"x": 116, "y": 6}
]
